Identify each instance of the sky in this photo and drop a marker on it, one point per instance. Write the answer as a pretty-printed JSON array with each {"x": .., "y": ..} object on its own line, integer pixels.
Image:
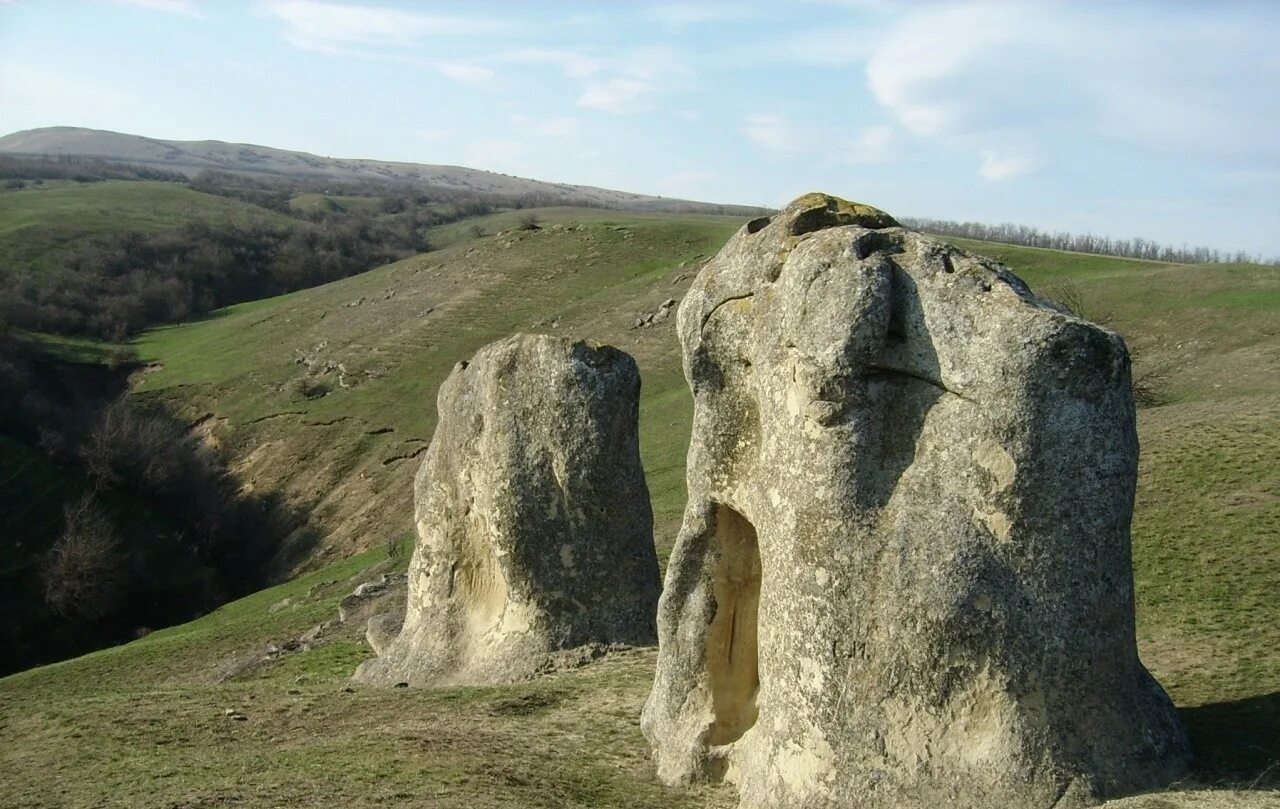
[{"x": 1159, "y": 120}]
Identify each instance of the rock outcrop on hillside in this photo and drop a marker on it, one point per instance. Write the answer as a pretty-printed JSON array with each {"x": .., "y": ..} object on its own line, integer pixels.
[
  {"x": 535, "y": 532},
  {"x": 903, "y": 577}
]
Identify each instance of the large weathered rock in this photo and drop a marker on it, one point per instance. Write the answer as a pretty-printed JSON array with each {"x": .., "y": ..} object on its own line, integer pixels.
[
  {"x": 535, "y": 532},
  {"x": 903, "y": 578}
]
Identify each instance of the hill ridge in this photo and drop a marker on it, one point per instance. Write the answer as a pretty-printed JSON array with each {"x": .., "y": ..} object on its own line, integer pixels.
[{"x": 194, "y": 156}]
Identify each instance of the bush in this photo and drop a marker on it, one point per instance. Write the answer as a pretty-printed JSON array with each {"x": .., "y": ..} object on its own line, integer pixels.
[
  {"x": 121, "y": 355},
  {"x": 84, "y": 571},
  {"x": 396, "y": 546},
  {"x": 137, "y": 450},
  {"x": 309, "y": 387}
]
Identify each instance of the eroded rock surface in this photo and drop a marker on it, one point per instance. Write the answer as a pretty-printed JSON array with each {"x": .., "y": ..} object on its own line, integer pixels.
[
  {"x": 535, "y": 533},
  {"x": 903, "y": 577}
]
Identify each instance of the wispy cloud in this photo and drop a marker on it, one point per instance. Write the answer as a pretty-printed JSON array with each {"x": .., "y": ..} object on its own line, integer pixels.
[
  {"x": 184, "y": 7},
  {"x": 996, "y": 166},
  {"x": 617, "y": 95},
  {"x": 681, "y": 14},
  {"x": 316, "y": 25},
  {"x": 573, "y": 64},
  {"x": 771, "y": 133},
  {"x": 630, "y": 83},
  {"x": 468, "y": 74},
  {"x": 778, "y": 135},
  {"x": 1004, "y": 81}
]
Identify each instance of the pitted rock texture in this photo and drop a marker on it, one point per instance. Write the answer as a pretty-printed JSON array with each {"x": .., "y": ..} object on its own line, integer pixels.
[
  {"x": 535, "y": 532},
  {"x": 903, "y": 577}
]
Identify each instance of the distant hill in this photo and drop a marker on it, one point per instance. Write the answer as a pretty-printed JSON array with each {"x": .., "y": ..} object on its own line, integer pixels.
[{"x": 193, "y": 157}]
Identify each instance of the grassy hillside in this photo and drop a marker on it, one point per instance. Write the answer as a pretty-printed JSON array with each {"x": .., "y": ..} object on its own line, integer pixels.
[
  {"x": 378, "y": 346},
  {"x": 143, "y": 724},
  {"x": 36, "y": 222}
]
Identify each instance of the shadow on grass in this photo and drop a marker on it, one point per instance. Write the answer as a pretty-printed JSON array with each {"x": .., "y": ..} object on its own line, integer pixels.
[{"x": 1237, "y": 743}]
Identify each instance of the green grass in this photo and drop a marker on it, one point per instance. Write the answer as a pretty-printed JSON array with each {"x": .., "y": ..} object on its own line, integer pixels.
[
  {"x": 37, "y": 224},
  {"x": 83, "y": 350},
  {"x": 142, "y": 725}
]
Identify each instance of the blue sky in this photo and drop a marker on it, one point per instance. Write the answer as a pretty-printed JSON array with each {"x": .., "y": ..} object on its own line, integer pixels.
[{"x": 1159, "y": 120}]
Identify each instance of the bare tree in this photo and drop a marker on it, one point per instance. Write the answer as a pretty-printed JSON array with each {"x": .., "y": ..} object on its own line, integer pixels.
[
  {"x": 1083, "y": 243},
  {"x": 131, "y": 447},
  {"x": 84, "y": 570}
]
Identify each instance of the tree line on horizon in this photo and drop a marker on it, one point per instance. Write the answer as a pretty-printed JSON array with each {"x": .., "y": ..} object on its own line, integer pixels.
[{"x": 1027, "y": 236}]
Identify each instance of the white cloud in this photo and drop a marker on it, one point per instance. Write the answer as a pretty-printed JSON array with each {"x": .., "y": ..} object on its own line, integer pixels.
[
  {"x": 618, "y": 95},
  {"x": 996, "y": 167},
  {"x": 771, "y": 133},
  {"x": 914, "y": 70},
  {"x": 829, "y": 46},
  {"x": 183, "y": 7},
  {"x": 573, "y": 64},
  {"x": 681, "y": 14},
  {"x": 468, "y": 74},
  {"x": 632, "y": 81},
  {"x": 1005, "y": 81},
  {"x": 316, "y": 25}
]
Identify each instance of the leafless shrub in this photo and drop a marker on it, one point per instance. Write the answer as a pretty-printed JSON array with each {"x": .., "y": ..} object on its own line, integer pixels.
[
  {"x": 1151, "y": 386},
  {"x": 530, "y": 222},
  {"x": 1150, "y": 381},
  {"x": 131, "y": 446},
  {"x": 1071, "y": 298},
  {"x": 84, "y": 570}
]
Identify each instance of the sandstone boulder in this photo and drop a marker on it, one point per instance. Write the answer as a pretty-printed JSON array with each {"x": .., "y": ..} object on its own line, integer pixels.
[
  {"x": 535, "y": 532},
  {"x": 903, "y": 577}
]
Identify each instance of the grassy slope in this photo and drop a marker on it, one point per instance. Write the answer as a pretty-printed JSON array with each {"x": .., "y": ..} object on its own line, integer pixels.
[
  {"x": 141, "y": 724},
  {"x": 398, "y": 330},
  {"x": 36, "y": 222}
]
